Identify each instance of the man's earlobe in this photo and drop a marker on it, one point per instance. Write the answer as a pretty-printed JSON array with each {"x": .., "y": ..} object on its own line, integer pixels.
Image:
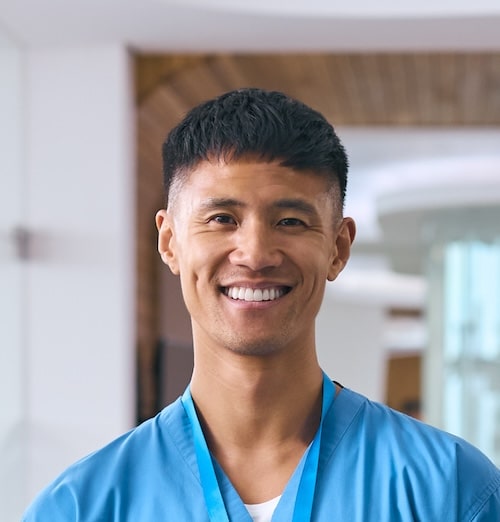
[
  {"x": 166, "y": 241},
  {"x": 343, "y": 241}
]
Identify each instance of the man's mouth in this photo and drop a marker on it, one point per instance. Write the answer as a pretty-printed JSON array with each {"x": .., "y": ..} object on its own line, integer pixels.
[{"x": 255, "y": 294}]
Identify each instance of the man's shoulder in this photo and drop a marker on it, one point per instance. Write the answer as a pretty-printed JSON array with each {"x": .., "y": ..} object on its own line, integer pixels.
[
  {"x": 144, "y": 440},
  {"x": 403, "y": 434},
  {"x": 135, "y": 459},
  {"x": 392, "y": 451}
]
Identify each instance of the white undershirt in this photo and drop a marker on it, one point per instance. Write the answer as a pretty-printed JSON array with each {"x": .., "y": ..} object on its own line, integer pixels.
[{"x": 263, "y": 512}]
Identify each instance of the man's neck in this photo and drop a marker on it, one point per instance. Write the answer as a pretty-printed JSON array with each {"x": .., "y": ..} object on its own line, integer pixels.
[{"x": 258, "y": 416}]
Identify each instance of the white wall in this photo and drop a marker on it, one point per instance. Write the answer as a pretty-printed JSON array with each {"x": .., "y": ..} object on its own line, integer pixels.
[
  {"x": 349, "y": 337},
  {"x": 11, "y": 277},
  {"x": 78, "y": 319}
]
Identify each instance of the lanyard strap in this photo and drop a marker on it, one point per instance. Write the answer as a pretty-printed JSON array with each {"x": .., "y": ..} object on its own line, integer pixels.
[
  {"x": 211, "y": 491},
  {"x": 307, "y": 485}
]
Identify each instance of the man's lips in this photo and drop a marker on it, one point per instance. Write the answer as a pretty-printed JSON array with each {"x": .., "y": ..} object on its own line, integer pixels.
[{"x": 244, "y": 293}]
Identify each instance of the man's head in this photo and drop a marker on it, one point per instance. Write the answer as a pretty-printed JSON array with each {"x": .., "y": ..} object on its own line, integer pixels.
[
  {"x": 254, "y": 224},
  {"x": 252, "y": 123}
]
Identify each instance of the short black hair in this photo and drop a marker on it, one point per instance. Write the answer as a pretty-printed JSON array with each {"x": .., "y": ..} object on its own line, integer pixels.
[{"x": 266, "y": 125}]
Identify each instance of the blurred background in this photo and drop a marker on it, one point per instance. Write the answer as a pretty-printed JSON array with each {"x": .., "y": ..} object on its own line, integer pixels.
[{"x": 94, "y": 336}]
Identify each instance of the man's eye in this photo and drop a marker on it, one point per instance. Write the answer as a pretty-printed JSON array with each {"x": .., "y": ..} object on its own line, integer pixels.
[
  {"x": 223, "y": 219},
  {"x": 291, "y": 222}
]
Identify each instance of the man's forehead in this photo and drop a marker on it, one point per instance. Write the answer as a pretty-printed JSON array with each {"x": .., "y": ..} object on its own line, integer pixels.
[
  {"x": 253, "y": 178},
  {"x": 250, "y": 177},
  {"x": 247, "y": 166}
]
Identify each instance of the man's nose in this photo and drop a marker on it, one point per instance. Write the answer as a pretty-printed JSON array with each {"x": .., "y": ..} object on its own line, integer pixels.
[{"x": 256, "y": 247}]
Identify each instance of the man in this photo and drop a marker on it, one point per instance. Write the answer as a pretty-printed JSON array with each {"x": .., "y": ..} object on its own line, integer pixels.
[{"x": 254, "y": 227}]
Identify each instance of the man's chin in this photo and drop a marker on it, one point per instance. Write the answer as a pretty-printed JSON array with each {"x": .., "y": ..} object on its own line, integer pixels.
[{"x": 255, "y": 348}]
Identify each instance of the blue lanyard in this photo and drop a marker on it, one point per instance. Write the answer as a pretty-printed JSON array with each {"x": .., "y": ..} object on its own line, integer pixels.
[{"x": 211, "y": 491}]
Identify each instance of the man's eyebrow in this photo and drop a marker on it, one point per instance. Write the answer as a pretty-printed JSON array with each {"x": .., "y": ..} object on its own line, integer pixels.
[
  {"x": 296, "y": 204},
  {"x": 217, "y": 203}
]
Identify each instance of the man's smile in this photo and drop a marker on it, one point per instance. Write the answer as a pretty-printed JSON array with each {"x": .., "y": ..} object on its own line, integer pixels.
[{"x": 255, "y": 294}]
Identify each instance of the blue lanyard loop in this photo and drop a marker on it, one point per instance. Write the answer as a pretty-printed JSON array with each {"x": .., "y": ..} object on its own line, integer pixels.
[{"x": 211, "y": 491}]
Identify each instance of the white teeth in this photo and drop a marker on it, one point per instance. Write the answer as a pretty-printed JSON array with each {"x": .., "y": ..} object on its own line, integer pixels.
[{"x": 250, "y": 294}]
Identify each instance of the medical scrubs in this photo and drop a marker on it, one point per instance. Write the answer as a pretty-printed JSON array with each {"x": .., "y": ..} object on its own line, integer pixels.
[{"x": 375, "y": 465}]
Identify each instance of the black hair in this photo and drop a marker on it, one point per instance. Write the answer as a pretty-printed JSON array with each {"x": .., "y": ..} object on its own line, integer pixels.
[{"x": 266, "y": 125}]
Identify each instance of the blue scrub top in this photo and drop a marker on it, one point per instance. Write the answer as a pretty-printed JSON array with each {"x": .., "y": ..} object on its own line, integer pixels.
[{"x": 375, "y": 465}]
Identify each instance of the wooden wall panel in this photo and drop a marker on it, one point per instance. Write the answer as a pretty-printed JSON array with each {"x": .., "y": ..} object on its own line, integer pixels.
[{"x": 353, "y": 89}]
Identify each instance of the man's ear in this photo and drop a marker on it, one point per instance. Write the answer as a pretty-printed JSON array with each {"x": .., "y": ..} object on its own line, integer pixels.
[
  {"x": 342, "y": 251},
  {"x": 166, "y": 240}
]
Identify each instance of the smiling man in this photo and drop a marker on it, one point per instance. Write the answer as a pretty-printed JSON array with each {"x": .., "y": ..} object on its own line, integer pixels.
[{"x": 254, "y": 227}]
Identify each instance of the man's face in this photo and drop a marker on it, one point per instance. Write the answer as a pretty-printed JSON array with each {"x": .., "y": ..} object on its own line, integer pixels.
[{"x": 254, "y": 244}]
